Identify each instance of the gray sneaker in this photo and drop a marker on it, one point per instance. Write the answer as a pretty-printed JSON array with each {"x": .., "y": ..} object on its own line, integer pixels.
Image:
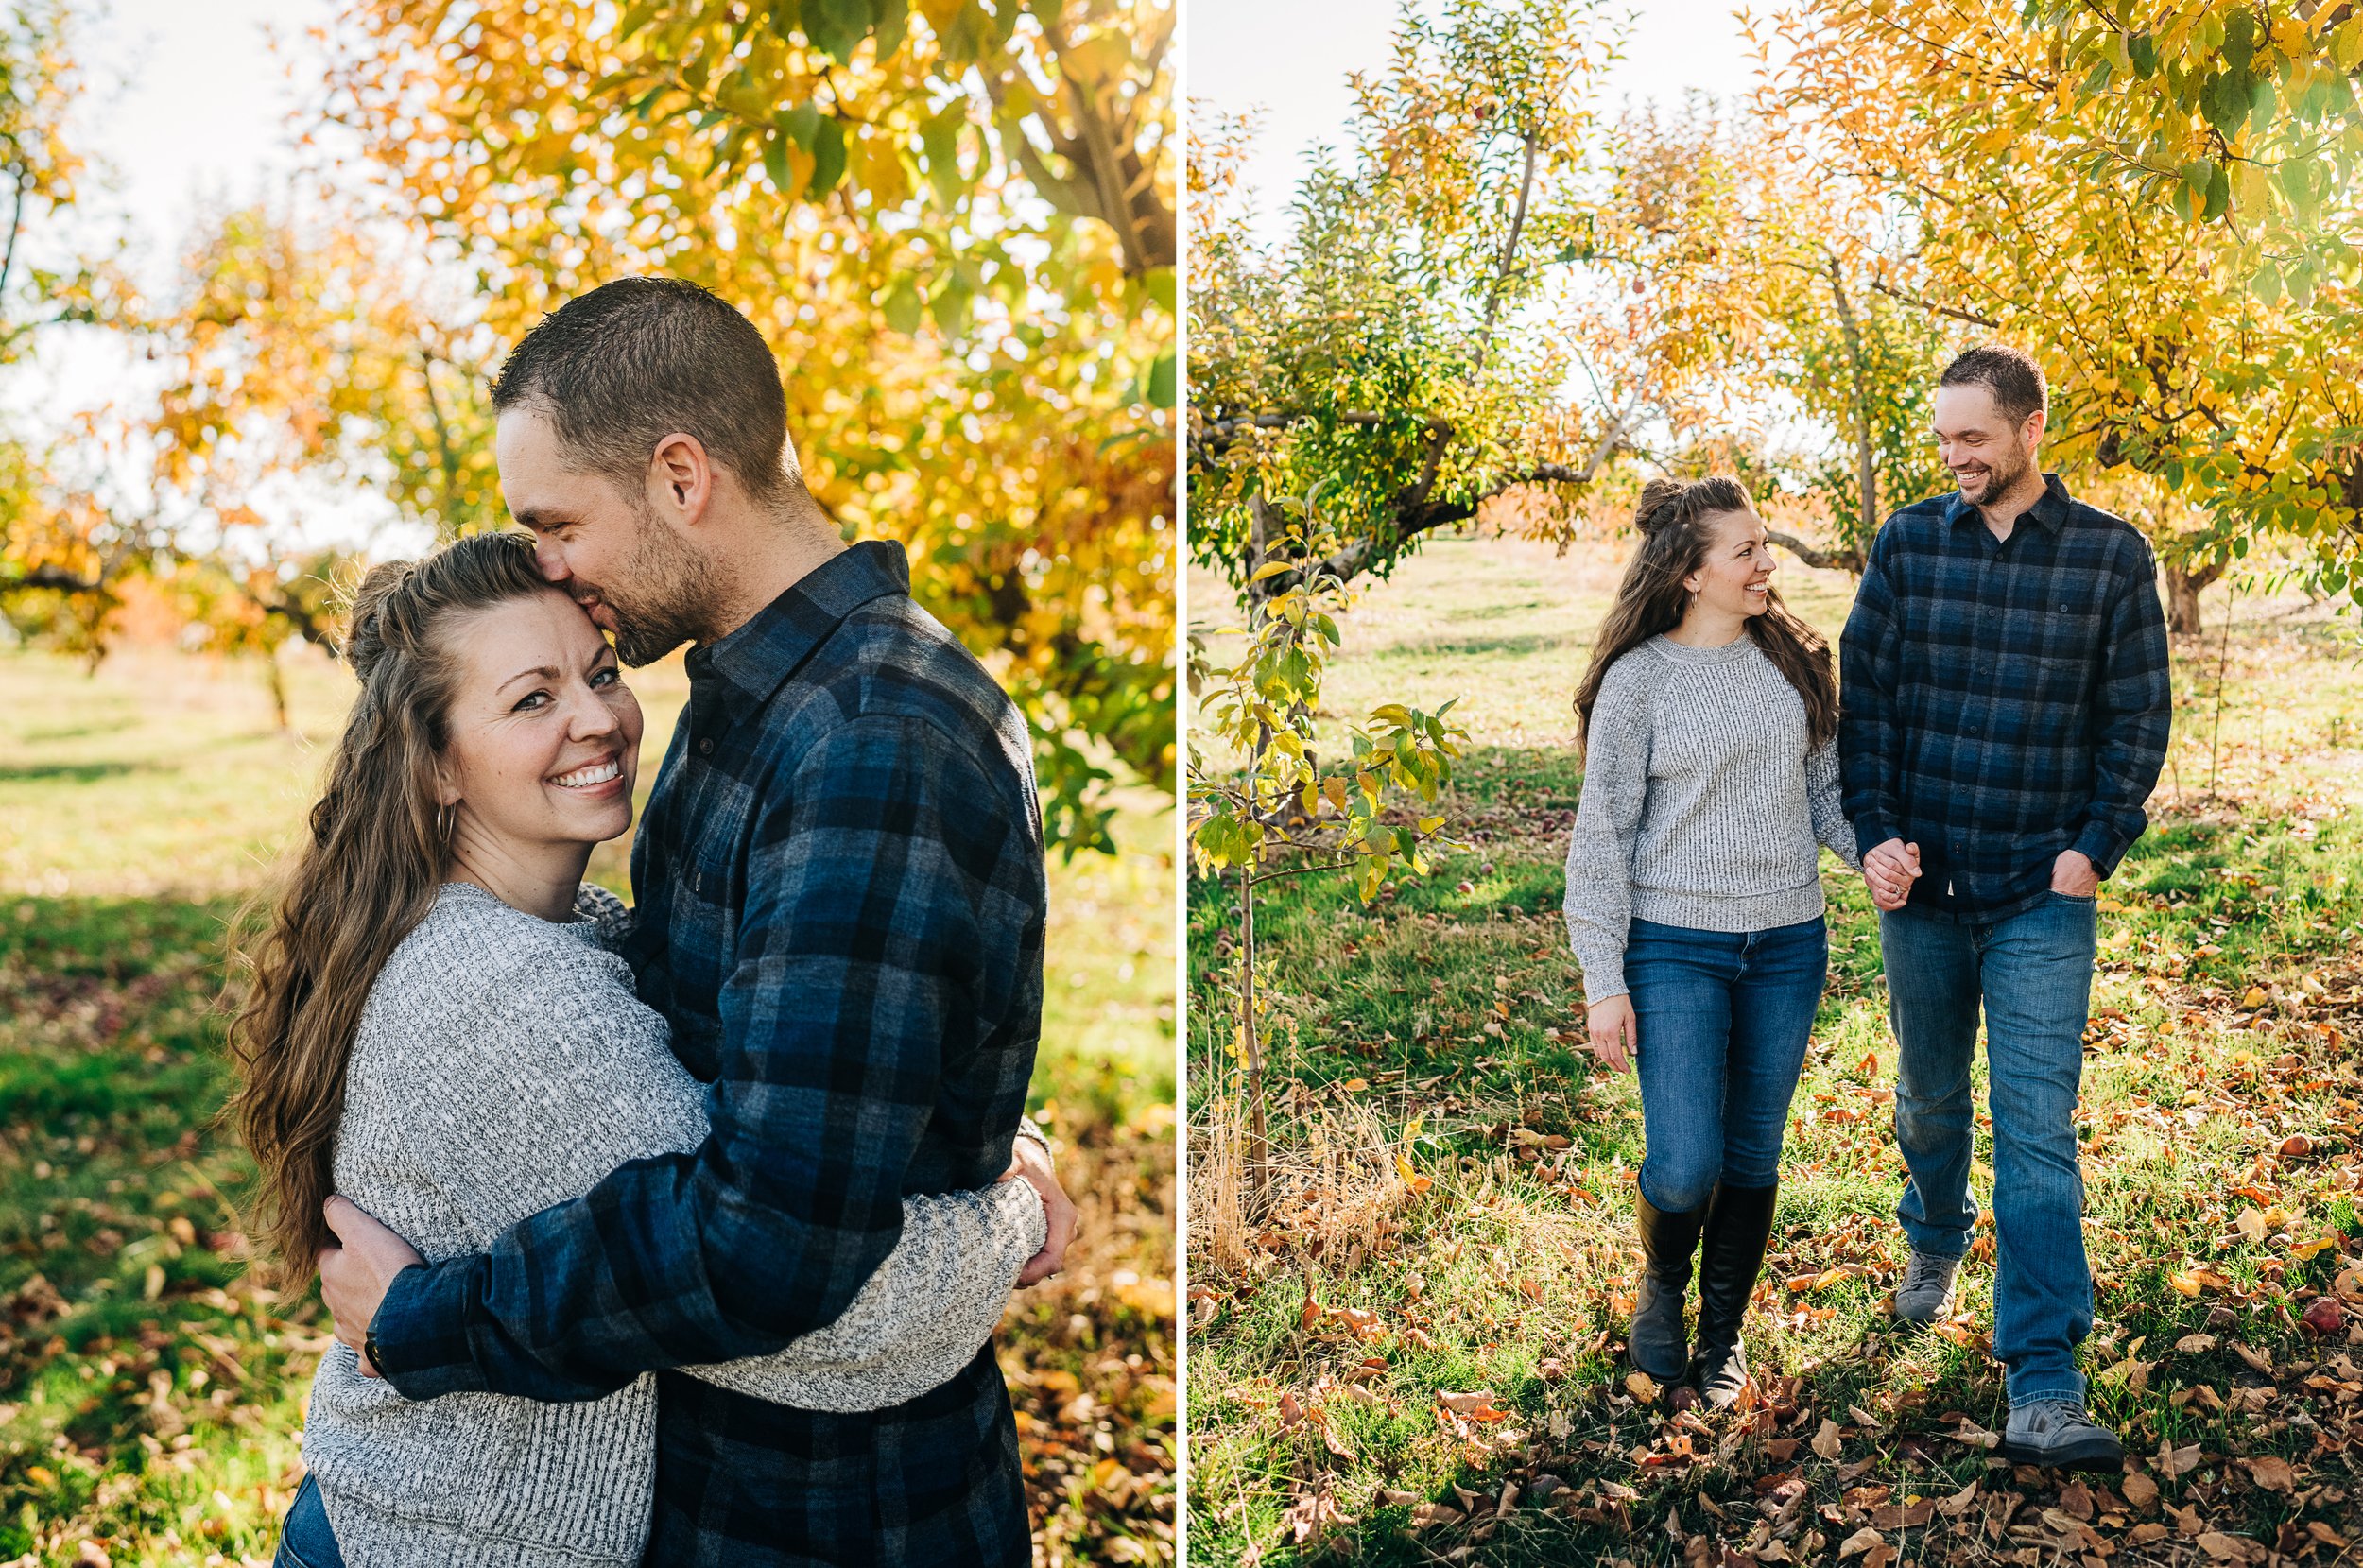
[
  {"x": 2056, "y": 1432},
  {"x": 1927, "y": 1291}
]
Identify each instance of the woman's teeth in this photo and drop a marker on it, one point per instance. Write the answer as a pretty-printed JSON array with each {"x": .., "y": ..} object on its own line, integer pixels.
[{"x": 597, "y": 773}]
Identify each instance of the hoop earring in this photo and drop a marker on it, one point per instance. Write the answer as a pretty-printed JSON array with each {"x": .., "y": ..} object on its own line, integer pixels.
[{"x": 442, "y": 822}]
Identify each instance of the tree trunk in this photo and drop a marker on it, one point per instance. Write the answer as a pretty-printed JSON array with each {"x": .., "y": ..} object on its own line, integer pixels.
[
  {"x": 1258, "y": 1143},
  {"x": 2182, "y": 590},
  {"x": 278, "y": 689},
  {"x": 1866, "y": 465}
]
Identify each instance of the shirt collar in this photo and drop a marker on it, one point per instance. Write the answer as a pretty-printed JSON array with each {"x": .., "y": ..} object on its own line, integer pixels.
[
  {"x": 755, "y": 659},
  {"x": 2050, "y": 507}
]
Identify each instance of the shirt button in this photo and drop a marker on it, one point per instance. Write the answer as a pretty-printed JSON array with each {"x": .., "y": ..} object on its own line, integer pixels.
[{"x": 705, "y": 747}]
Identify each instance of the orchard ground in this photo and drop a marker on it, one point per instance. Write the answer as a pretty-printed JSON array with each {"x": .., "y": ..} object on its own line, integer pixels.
[
  {"x": 1413, "y": 1354},
  {"x": 151, "y": 1391}
]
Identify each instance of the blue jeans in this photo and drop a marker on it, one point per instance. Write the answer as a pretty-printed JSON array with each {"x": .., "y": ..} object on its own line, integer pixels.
[
  {"x": 1723, "y": 1018},
  {"x": 2032, "y": 972},
  {"x": 304, "y": 1539}
]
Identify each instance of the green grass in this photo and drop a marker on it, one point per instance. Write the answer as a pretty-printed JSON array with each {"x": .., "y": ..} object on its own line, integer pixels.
[
  {"x": 1442, "y": 1025},
  {"x": 150, "y": 1393}
]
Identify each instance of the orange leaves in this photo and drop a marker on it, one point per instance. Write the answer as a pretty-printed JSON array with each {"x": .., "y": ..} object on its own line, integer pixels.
[
  {"x": 2271, "y": 1473},
  {"x": 1801, "y": 1284},
  {"x": 1475, "y": 1406}
]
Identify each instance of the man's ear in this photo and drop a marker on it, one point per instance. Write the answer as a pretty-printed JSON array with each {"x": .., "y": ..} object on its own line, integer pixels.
[
  {"x": 681, "y": 479},
  {"x": 2032, "y": 431}
]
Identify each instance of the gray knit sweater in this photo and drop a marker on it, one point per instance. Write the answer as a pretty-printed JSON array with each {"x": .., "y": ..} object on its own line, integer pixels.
[
  {"x": 1701, "y": 804},
  {"x": 504, "y": 1063}
]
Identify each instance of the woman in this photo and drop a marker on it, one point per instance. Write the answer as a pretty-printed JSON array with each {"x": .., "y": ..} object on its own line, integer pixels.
[
  {"x": 438, "y": 1030},
  {"x": 1694, "y": 897}
]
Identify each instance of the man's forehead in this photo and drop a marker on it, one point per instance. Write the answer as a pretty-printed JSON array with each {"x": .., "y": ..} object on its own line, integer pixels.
[
  {"x": 524, "y": 431},
  {"x": 1967, "y": 404}
]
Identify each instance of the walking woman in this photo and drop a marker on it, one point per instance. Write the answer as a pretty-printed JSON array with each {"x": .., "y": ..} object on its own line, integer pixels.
[{"x": 1694, "y": 897}]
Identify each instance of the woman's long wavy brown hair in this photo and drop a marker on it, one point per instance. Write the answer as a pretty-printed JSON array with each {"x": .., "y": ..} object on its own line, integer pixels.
[
  {"x": 361, "y": 882},
  {"x": 1675, "y": 523}
]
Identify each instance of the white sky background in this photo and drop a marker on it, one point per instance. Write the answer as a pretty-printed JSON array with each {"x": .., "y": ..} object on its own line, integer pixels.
[
  {"x": 201, "y": 118},
  {"x": 1289, "y": 58},
  {"x": 187, "y": 108}
]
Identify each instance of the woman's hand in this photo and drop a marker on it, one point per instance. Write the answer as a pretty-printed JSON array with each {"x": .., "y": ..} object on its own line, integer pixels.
[
  {"x": 1615, "y": 1033},
  {"x": 1029, "y": 1163}
]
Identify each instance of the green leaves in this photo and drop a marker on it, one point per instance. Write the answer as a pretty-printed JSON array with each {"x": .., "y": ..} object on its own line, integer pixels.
[{"x": 1287, "y": 793}]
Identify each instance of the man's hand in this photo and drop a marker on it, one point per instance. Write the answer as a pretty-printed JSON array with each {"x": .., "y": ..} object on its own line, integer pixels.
[
  {"x": 1890, "y": 869},
  {"x": 1615, "y": 1033},
  {"x": 355, "y": 1276},
  {"x": 1030, "y": 1163},
  {"x": 2073, "y": 874}
]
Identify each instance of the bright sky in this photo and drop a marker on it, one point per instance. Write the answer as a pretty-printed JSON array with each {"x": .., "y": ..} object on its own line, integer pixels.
[
  {"x": 191, "y": 105},
  {"x": 1290, "y": 59},
  {"x": 187, "y": 108}
]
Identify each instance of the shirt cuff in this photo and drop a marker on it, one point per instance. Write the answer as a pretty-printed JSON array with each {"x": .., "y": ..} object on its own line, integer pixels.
[
  {"x": 2101, "y": 845},
  {"x": 418, "y": 1338},
  {"x": 1025, "y": 1128},
  {"x": 1873, "y": 830}
]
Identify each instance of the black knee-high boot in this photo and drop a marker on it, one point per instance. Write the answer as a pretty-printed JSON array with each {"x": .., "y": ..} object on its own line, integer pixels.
[
  {"x": 1739, "y": 1228},
  {"x": 1656, "y": 1343}
]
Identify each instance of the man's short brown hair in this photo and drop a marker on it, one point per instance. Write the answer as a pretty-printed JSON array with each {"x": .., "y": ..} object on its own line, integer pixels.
[
  {"x": 2010, "y": 374},
  {"x": 636, "y": 360}
]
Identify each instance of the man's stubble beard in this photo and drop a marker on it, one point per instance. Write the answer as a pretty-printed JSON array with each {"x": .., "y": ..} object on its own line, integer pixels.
[
  {"x": 671, "y": 601},
  {"x": 2001, "y": 481}
]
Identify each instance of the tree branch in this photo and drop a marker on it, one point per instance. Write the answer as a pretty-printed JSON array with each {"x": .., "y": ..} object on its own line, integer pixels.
[
  {"x": 52, "y": 578},
  {"x": 16, "y": 223},
  {"x": 1911, "y": 299},
  {"x": 1847, "y": 559}
]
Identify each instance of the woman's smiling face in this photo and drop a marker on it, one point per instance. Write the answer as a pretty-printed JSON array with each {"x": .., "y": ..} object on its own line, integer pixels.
[
  {"x": 544, "y": 735},
  {"x": 1736, "y": 576}
]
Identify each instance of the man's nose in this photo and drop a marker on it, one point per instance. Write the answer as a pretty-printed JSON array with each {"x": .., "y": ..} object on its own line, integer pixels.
[{"x": 551, "y": 560}]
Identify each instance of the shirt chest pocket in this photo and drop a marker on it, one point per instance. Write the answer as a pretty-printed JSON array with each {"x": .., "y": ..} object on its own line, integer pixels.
[
  {"x": 706, "y": 909},
  {"x": 2051, "y": 646}
]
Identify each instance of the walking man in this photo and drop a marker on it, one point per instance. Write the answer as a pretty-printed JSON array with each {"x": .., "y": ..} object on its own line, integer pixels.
[{"x": 2006, "y": 707}]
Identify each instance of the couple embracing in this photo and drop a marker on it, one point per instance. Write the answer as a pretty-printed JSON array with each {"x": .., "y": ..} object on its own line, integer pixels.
[
  {"x": 2003, "y": 721},
  {"x": 673, "y": 1234}
]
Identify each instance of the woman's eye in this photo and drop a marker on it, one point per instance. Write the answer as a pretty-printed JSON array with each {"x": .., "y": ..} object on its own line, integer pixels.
[
  {"x": 532, "y": 700},
  {"x": 607, "y": 678}
]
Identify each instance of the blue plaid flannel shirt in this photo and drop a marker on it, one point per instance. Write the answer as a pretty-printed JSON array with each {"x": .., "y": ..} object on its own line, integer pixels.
[
  {"x": 841, "y": 903},
  {"x": 2003, "y": 700}
]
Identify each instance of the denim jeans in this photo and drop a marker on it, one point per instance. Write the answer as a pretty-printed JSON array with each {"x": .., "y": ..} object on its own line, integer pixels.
[
  {"x": 304, "y": 1538},
  {"x": 1723, "y": 1018},
  {"x": 2032, "y": 972}
]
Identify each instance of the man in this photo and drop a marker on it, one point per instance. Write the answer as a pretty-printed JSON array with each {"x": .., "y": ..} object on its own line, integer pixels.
[
  {"x": 2007, "y": 700},
  {"x": 840, "y": 909}
]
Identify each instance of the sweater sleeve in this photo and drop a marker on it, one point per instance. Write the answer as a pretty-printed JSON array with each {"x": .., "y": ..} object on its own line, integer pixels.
[
  {"x": 918, "y": 1319},
  {"x": 1870, "y": 727},
  {"x": 1825, "y": 794},
  {"x": 1608, "y": 827}
]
